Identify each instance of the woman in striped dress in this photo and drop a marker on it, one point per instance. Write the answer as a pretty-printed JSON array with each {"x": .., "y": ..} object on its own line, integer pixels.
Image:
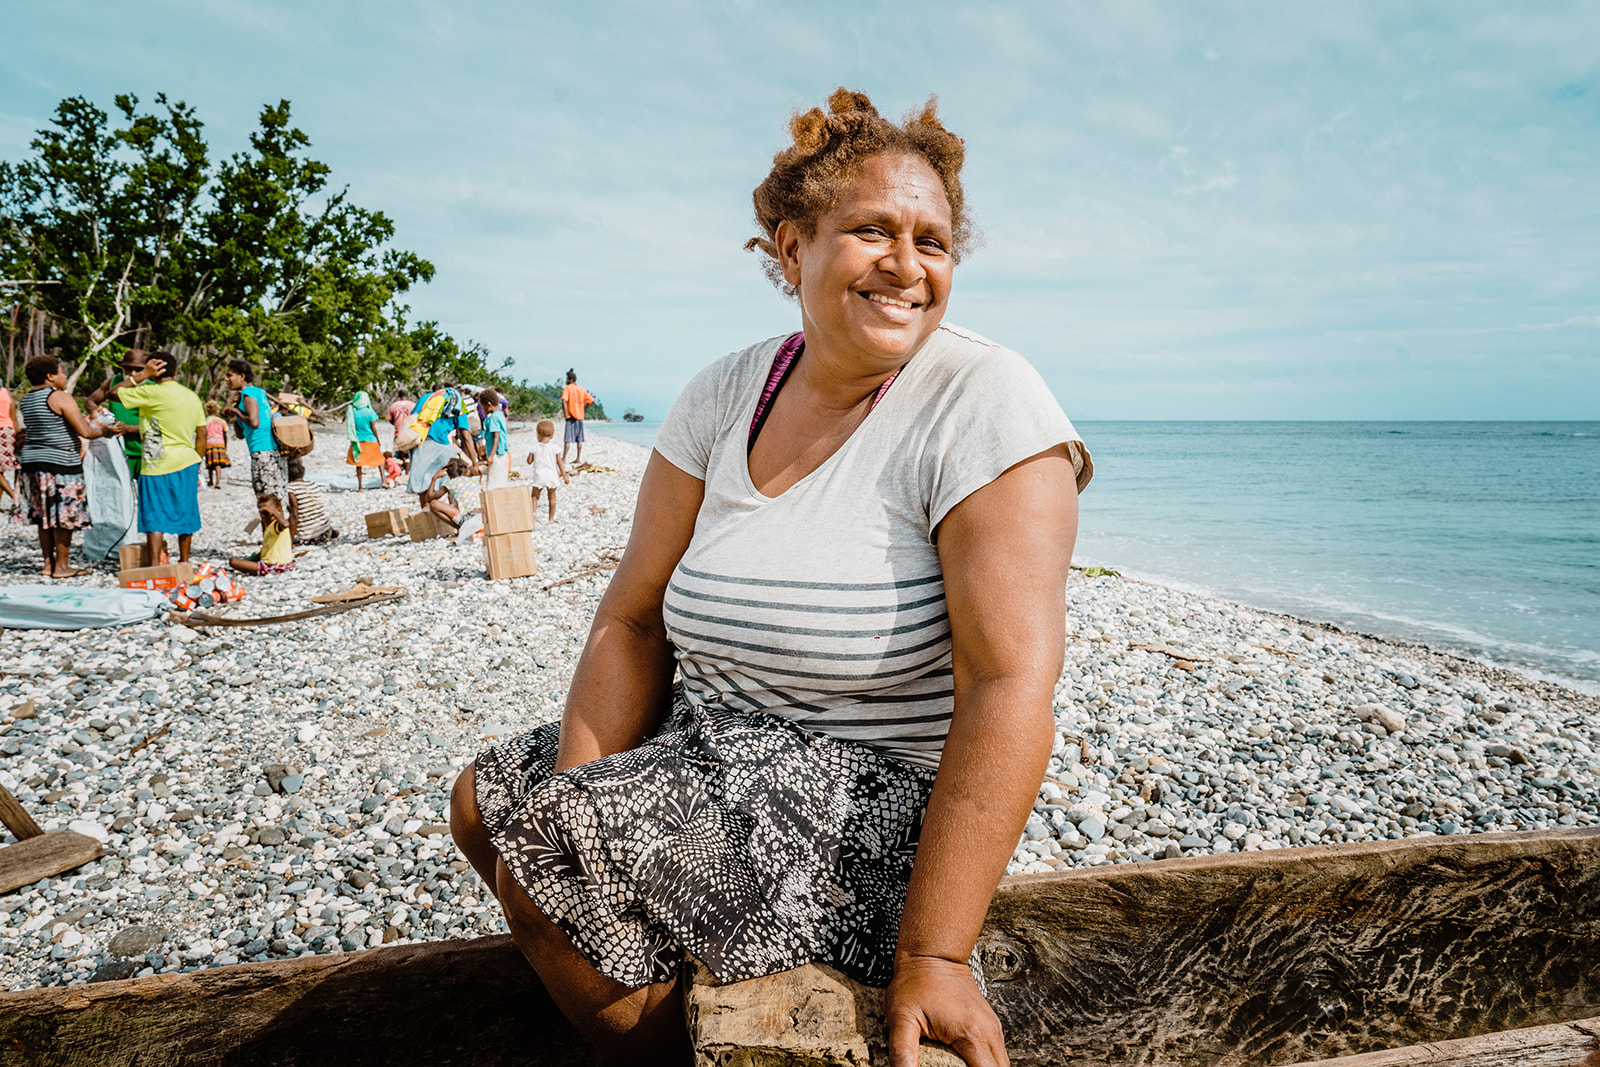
[
  {"x": 850, "y": 547},
  {"x": 51, "y": 460}
]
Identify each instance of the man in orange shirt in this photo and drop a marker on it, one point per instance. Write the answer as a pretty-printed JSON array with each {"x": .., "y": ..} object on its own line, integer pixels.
[{"x": 574, "y": 400}]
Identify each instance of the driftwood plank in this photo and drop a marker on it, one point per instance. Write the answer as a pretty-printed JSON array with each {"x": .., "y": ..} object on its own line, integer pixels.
[
  {"x": 29, "y": 860},
  {"x": 449, "y": 1003},
  {"x": 16, "y": 817},
  {"x": 806, "y": 1017},
  {"x": 1268, "y": 957},
  {"x": 1575, "y": 1044}
]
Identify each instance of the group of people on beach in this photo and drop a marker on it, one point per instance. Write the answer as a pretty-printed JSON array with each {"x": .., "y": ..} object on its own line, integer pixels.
[{"x": 442, "y": 442}]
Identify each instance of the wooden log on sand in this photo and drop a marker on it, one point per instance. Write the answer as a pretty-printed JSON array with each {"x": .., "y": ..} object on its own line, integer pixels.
[
  {"x": 1254, "y": 958},
  {"x": 449, "y": 1002}
]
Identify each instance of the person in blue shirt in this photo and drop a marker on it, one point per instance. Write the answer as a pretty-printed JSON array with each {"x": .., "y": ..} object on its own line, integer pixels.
[
  {"x": 251, "y": 413},
  {"x": 449, "y": 432},
  {"x": 496, "y": 440}
]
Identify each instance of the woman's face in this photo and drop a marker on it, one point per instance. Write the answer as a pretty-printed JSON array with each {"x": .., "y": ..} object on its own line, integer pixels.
[{"x": 874, "y": 281}]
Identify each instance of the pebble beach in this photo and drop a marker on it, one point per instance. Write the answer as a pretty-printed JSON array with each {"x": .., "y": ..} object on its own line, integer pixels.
[{"x": 277, "y": 791}]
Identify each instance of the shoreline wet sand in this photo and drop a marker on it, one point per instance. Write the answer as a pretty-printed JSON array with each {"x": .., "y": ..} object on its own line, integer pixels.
[{"x": 296, "y": 801}]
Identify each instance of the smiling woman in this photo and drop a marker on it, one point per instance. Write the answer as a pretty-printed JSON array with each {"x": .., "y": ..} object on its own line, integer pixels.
[{"x": 851, "y": 548}]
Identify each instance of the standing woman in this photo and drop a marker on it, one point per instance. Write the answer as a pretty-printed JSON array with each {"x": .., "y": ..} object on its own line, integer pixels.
[
  {"x": 851, "y": 544},
  {"x": 54, "y": 496},
  {"x": 172, "y": 425},
  {"x": 8, "y": 447},
  {"x": 363, "y": 440}
]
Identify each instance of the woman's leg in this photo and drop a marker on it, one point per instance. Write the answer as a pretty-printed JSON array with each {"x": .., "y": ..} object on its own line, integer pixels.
[
  {"x": 184, "y": 541},
  {"x": 47, "y": 548},
  {"x": 629, "y": 1026},
  {"x": 61, "y": 549},
  {"x": 155, "y": 544}
]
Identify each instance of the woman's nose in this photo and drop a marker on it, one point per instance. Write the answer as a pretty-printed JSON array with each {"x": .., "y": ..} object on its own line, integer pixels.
[{"x": 901, "y": 262}]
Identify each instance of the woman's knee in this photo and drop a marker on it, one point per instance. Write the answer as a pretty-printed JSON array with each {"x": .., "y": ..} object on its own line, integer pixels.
[{"x": 466, "y": 821}]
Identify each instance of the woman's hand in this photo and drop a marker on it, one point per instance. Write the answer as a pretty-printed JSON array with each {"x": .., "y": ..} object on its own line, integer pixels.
[{"x": 937, "y": 998}]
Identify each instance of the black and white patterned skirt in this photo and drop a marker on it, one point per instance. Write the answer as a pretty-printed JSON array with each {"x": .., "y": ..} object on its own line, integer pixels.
[{"x": 740, "y": 839}]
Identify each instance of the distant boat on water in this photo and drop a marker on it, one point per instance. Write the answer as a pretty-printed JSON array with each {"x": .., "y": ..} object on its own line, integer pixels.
[{"x": 632, "y": 416}]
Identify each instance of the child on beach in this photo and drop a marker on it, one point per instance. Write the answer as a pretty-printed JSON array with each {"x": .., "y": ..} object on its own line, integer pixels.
[
  {"x": 308, "y": 519},
  {"x": 216, "y": 444},
  {"x": 547, "y": 465},
  {"x": 496, "y": 436},
  {"x": 457, "y": 500},
  {"x": 277, "y": 543},
  {"x": 392, "y": 471}
]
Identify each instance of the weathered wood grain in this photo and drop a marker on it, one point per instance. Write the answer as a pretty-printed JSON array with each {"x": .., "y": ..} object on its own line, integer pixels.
[
  {"x": 448, "y": 1003},
  {"x": 1575, "y": 1044},
  {"x": 33, "y": 858},
  {"x": 1259, "y": 958},
  {"x": 16, "y": 817},
  {"x": 1298, "y": 954},
  {"x": 811, "y": 1016}
]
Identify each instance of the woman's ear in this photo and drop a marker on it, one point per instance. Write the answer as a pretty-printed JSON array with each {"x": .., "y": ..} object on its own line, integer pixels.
[{"x": 786, "y": 239}]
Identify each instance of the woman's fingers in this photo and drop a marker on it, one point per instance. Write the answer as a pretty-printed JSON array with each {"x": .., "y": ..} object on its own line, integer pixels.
[{"x": 938, "y": 999}]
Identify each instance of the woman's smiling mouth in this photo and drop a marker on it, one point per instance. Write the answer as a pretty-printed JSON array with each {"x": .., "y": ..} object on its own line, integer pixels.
[{"x": 879, "y": 298}]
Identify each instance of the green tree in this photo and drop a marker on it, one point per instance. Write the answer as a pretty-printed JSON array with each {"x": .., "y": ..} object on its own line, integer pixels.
[
  {"x": 94, "y": 227},
  {"x": 118, "y": 231}
]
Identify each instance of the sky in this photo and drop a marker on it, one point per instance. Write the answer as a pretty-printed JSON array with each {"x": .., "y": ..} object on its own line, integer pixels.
[{"x": 1362, "y": 210}]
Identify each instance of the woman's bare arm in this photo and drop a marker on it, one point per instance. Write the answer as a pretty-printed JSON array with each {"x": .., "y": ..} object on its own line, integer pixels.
[
  {"x": 620, "y": 689},
  {"x": 63, "y": 404},
  {"x": 1006, "y": 552}
]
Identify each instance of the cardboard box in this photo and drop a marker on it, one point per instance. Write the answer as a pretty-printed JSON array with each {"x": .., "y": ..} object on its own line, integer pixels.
[
  {"x": 130, "y": 557},
  {"x": 293, "y": 433},
  {"x": 169, "y": 576},
  {"x": 424, "y": 525},
  {"x": 508, "y": 510},
  {"x": 385, "y": 523},
  {"x": 509, "y": 555}
]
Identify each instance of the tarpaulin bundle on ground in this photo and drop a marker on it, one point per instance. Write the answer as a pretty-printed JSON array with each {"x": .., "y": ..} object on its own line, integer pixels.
[{"x": 63, "y": 607}]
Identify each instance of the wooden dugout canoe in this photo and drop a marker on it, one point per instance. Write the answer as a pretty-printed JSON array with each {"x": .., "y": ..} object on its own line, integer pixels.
[{"x": 1460, "y": 950}]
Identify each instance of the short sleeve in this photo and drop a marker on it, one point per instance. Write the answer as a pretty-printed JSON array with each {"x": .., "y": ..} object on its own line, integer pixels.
[
  {"x": 999, "y": 414},
  {"x": 690, "y": 428}
]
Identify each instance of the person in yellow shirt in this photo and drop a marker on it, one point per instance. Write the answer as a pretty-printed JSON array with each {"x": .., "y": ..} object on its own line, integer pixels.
[
  {"x": 575, "y": 399},
  {"x": 277, "y": 543},
  {"x": 171, "y": 430}
]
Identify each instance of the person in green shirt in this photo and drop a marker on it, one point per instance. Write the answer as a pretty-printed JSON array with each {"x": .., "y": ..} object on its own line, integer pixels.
[
  {"x": 109, "y": 394},
  {"x": 171, "y": 424}
]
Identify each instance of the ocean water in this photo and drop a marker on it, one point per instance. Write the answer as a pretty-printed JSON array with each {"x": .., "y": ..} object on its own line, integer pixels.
[{"x": 1478, "y": 537}]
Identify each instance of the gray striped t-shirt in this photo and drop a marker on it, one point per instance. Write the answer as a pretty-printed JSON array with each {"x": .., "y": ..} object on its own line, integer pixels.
[{"x": 825, "y": 605}]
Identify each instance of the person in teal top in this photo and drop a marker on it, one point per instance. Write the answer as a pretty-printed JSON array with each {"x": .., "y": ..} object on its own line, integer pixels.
[
  {"x": 364, "y": 451},
  {"x": 496, "y": 440},
  {"x": 252, "y": 412}
]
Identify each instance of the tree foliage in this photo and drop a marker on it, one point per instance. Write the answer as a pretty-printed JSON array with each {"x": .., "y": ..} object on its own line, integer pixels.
[{"x": 119, "y": 231}]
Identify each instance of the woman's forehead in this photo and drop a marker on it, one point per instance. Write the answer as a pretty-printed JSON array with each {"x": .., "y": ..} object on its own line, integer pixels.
[{"x": 892, "y": 184}]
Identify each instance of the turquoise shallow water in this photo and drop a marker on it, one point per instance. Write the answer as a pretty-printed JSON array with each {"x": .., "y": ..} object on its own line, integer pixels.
[{"x": 1480, "y": 537}]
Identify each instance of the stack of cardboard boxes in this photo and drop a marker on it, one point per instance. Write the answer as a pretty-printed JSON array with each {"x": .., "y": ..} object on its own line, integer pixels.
[{"x": 508, "y": 532}]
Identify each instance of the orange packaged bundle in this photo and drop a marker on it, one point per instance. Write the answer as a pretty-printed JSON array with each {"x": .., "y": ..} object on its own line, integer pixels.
[{"x": 207, "y": 589}]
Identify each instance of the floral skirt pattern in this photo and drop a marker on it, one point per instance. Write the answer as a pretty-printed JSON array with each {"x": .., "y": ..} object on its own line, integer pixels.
[
  {"x": 53, "y": 501},
  {"x": 8, "y": 449},
  {"x": 741, "y": 839}
]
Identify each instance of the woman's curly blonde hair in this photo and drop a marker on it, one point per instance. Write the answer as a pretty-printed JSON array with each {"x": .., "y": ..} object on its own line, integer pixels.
[{"x": 807, "y": 177}]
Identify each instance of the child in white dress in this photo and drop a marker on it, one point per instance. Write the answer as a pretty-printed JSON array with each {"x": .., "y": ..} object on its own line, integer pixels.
[{"x": 547, "y": 465}]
